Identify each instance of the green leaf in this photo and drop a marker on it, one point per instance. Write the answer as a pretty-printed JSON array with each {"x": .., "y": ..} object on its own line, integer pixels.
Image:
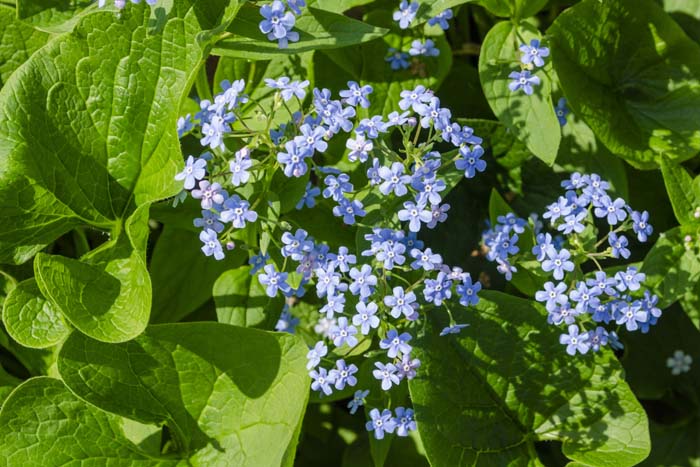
[
  {"x": 30, "y": 319},
  {"x": 53, "y": 16},
  {"x": 18, "y": 41},
  {"x": 683, "y": 193},
  {"x": 106, "y": 294},
  {"x": 337, "y": 6},
  {"x": 228, "y": 395},
  {"x": 531, "y": 118},
  {"x": 672, "y": 269},
  {"x": 43, "y": 423},
  {"x": 36, "y": 362},
  {"x": 318, "y": 29},
  {"x": 241, "y": 300},
  {"x": 182, "y": 276},
  {"x": 674, "y": 446},
  {"x": 687, "y": 14},
  {"x": 497, "y": 206},
  {"x": 484, "y": 396},
  {"x": 513, "y": 8},
  {"x": 631, "y": 73},
  {"x": 74, "y": 146}
]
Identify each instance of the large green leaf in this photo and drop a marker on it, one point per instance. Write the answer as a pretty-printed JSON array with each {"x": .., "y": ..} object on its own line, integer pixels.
[
  {"x": 53, "y": 16},
  {"x": 43, "y": 424},
  {"x": 107, "y": 293},
  {"x": 484, "y": 396},
  {"x": 32, "y": 320},
  {"x": 631, "y": 73},
  {"x": 318, "y": 29},
  {"x": 241, "y": 300},
  {"x": 18, "y": 41},
  {"x": 684, "y": 195},
  {"x": 532, "y": 118},
  {"x": 182, "y": 276},
  {"x": 87, "y": 125},
  {"x": 229, "y": 395}
]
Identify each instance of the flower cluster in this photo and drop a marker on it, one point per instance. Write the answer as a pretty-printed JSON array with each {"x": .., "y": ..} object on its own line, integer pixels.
[
  {"x": 533, "y": 55},
  {"x": 591, "y": 300},
  {"x": 375, "y": 295},
  {"x": 278, "y": 22},
  {"x": 405, "y": 16}
]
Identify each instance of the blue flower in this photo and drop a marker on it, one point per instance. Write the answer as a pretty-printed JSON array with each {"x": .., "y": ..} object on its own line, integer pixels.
[
  {"x": 286, "y": 322},
  {"x": 597, "y": 338},
  {"x": 468, "y": 291},
  {"x": 563, "y": 314},
  {"x": 278, "y": 23},
  {"x": 312, "y": 138},
  {"x": 358, "y": 400},
  {"x": 561, "y": 110},
  {"x": 343, "y": 333},
  {"x": 359, "y": 148},
  {"x": 273, "y": 280},
  {"x": 296, "y": 245},
  {"x": 195, "y": 170},
  {"x": 386, "y": 374},
  {"x": 406, "y": 14},
  {"x": 453, "y": 329},
  {"x": 293, "y": 159},
  {"x": 584, "y": 297},
  {"x": 348, "y": 210},
  {"x": 212, "y": 246},
  {"x": 552, "y": 295},
  {"x": 629, "y": 279},
  {"x": 380, "y": 423},
  {"x": 603, "y": 283},
  {"x": 523, "y": 80},
  {"x": 342, "y": 374},
  {"x": 429, "y": 190},
  {"x": 558, "y": 262},
  {"x": 184, "y": 125},
  {"x": 573, "y": 223},
  {"x": 619, "y": 245},
  {"x": 437, "y": 290},
  {"x": 408, "y": 366},
  {"x": 414, "y": 214},
  {"x": 391, "y": 254},
  {"x": 533, "y": 53},
  {"x": 397, "y": 59},
  {"x": 209, "y": 220},
  {"x": 438, "y": 213},
  {"x": 314, "y": 356},
  {"x": 336, "y": 186},
  {"x": 512, "y": 223},
  {"x": 371, "y": 127},
  {"x": 294, "y": 88},
  {"x": 321, "y": 381},
  {"x": 641, "y": 226},
  {"x": 334, "y": 304},
  {"x": 356, "y": 94},
  {"x": 470, "y": 160},
  {"x": 415, "y": 99},
  {"x": 395, "y": 343},
  {"x": 309, "y": 197},
  {"x": 560, "y": 208},
  {"x": 239, "y": 167},
  {"x": 574, "y": 341},
  {"x": 441, "y": 19},
  {"x": 296, "y": 5},
  {"x": 209, "y": 194},
  {"x": 257, "y": 262},
  {"x": 342, "y": 260},
  {"x": 614, "y": 211},
  {"x": 400, "y": 302},
  {"x": 366, "y": 317},
  {"x": 237, "y": 212},
  {"x": 394, "y": 179},
  {"x": 427, "y": 260},
  {"x": 327, "y": 280},
  {"x": 426, "y": 48},
  {"x": 404, "y": 421},
  {"x": 363, "y": 281},
  {"x": 631, "y": 315}
]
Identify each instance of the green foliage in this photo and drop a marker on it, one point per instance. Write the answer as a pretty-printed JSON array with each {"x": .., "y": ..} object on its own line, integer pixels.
[
  {"x": 241, "y": 300},
  {"x": 632, "y": 77},
  {"x": 477, "y": 413}
]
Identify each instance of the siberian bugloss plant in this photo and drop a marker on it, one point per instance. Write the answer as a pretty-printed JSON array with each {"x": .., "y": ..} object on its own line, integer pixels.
[{"x": 294, "y": 232}]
